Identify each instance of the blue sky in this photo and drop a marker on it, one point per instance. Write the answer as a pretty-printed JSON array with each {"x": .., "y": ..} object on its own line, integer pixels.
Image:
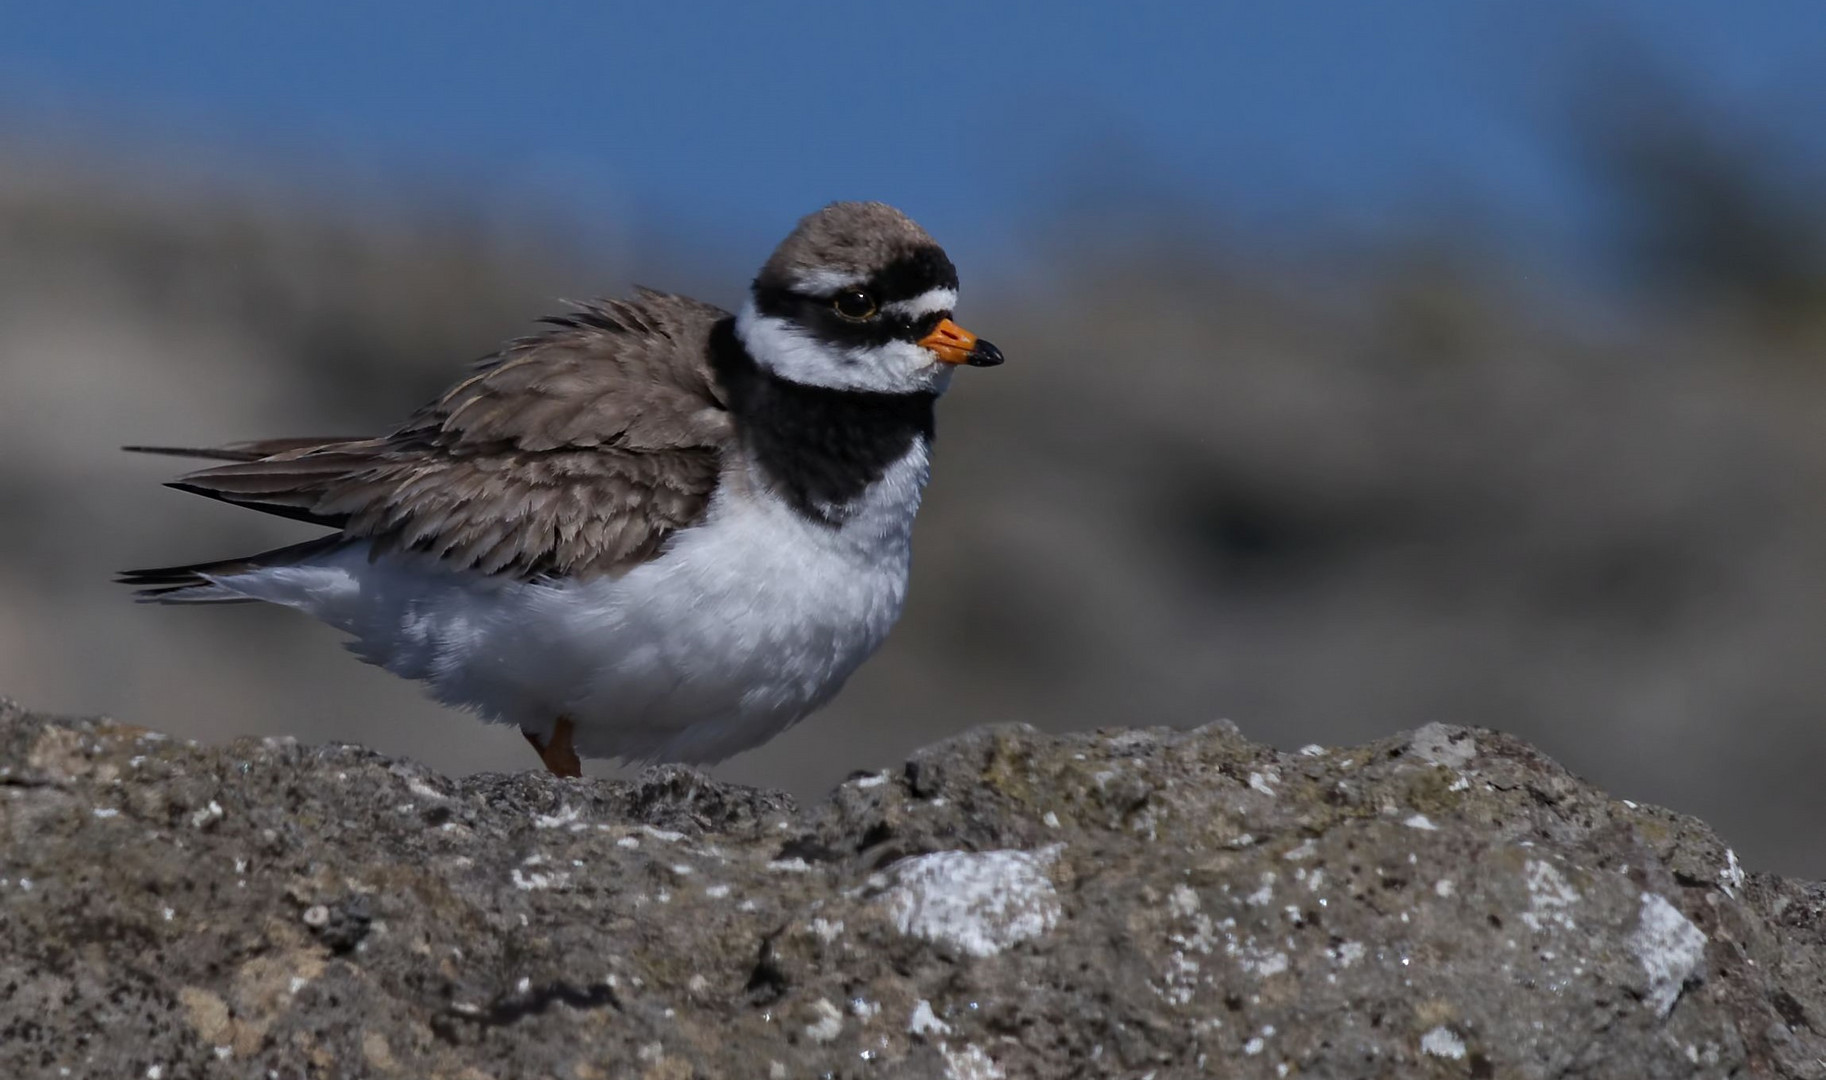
[{"x": 730, "y": 119}]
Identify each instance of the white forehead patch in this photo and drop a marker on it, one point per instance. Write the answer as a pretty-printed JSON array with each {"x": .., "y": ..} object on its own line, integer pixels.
[
  {"x": 926, "y": 303},
  {"x": 825, "y": 282}
]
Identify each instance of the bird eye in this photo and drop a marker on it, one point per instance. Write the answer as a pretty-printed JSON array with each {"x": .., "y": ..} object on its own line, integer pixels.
[{"x": 854, "y": 304}]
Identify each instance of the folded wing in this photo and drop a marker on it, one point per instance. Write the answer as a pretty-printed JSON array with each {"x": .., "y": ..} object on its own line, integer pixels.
[{"x": 574, "y": 452}]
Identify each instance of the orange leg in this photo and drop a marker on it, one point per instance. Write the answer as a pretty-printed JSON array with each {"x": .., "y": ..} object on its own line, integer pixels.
[{"x": 559, "y": 755}]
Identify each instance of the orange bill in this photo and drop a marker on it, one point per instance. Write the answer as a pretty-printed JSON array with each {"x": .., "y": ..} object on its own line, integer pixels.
[{"x": 955, "y": 345}]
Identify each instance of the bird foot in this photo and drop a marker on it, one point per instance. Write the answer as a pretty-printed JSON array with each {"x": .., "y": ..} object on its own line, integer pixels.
[{"x": 559, "y": 756}]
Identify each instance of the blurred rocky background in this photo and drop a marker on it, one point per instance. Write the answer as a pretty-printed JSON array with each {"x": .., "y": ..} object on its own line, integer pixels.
[{"x": 1325, "y": 478}]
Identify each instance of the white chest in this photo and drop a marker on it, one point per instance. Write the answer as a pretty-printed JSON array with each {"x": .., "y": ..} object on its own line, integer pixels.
[
  {"x": 759, "y": 577},
  {"x": 747, "y": 622}
]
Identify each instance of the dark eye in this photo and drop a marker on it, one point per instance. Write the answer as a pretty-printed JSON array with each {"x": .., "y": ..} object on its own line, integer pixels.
[{"x": 854, "y": 304}]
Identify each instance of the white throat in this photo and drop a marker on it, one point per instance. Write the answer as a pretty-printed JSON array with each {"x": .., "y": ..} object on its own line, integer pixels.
[{"x": 897, "y": 367}]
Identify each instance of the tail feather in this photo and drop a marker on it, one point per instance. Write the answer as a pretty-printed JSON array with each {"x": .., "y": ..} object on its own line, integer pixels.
[
  {"x": 252, "y": 450},
  {"x": 286, "y": 477},
  {"x": 198, "y": 583}
]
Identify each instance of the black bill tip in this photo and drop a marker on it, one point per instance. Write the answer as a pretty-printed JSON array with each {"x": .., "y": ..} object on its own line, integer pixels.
[{"x": 984, "y": 355}]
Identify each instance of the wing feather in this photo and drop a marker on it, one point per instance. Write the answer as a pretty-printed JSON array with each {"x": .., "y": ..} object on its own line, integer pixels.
[{"x": 573, "y": 452}]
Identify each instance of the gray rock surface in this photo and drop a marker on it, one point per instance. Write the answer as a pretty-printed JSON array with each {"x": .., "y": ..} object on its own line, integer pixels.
[{"x": 1124, "y": 903}]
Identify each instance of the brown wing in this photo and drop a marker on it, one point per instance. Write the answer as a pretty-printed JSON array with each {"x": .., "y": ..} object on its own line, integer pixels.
[{"x": 573, "y": 452}]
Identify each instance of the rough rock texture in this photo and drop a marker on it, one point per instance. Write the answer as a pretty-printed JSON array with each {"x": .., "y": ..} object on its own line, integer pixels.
[{"x": 1122, "y": 904}]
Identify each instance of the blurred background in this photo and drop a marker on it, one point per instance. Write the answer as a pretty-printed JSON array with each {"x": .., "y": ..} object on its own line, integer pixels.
[{"x": 1370, "y": 365}]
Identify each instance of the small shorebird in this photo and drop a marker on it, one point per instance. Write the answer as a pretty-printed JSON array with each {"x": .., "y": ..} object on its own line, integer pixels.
[{"x": 651, "y": 531}]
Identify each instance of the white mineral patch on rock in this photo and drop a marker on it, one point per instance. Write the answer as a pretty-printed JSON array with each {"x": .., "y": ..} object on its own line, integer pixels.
[
  {"x": 534, "y": 881},
  {"x": 1731, "y": 877},
  {"x": 1670, "y": 949},
  {"x": 924, "y": 1022},
  {"x": 1441, "y": 745},
  {"x": 1259, "y": 961},
  {"x": 1441, "y": 1042},
  {"x": 563, "y": 817},
  {"x": 1306, "y": 849},
  {"x": 827, "y": 1022},
  {"x": 1421, "y": 822},
  {"x": 979, "y": 903},
  {"x": 1180, "y": 981},
  {"x": 970, "y": 1063},
  {"x": 1550, "y": 896}
]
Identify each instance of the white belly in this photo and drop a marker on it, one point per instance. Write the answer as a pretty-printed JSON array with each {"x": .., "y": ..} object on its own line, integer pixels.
[{"x": 743, "y": 626}]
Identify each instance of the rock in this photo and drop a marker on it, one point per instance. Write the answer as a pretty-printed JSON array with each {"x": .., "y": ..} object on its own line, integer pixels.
[{"x": 1010, "y": 904}]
